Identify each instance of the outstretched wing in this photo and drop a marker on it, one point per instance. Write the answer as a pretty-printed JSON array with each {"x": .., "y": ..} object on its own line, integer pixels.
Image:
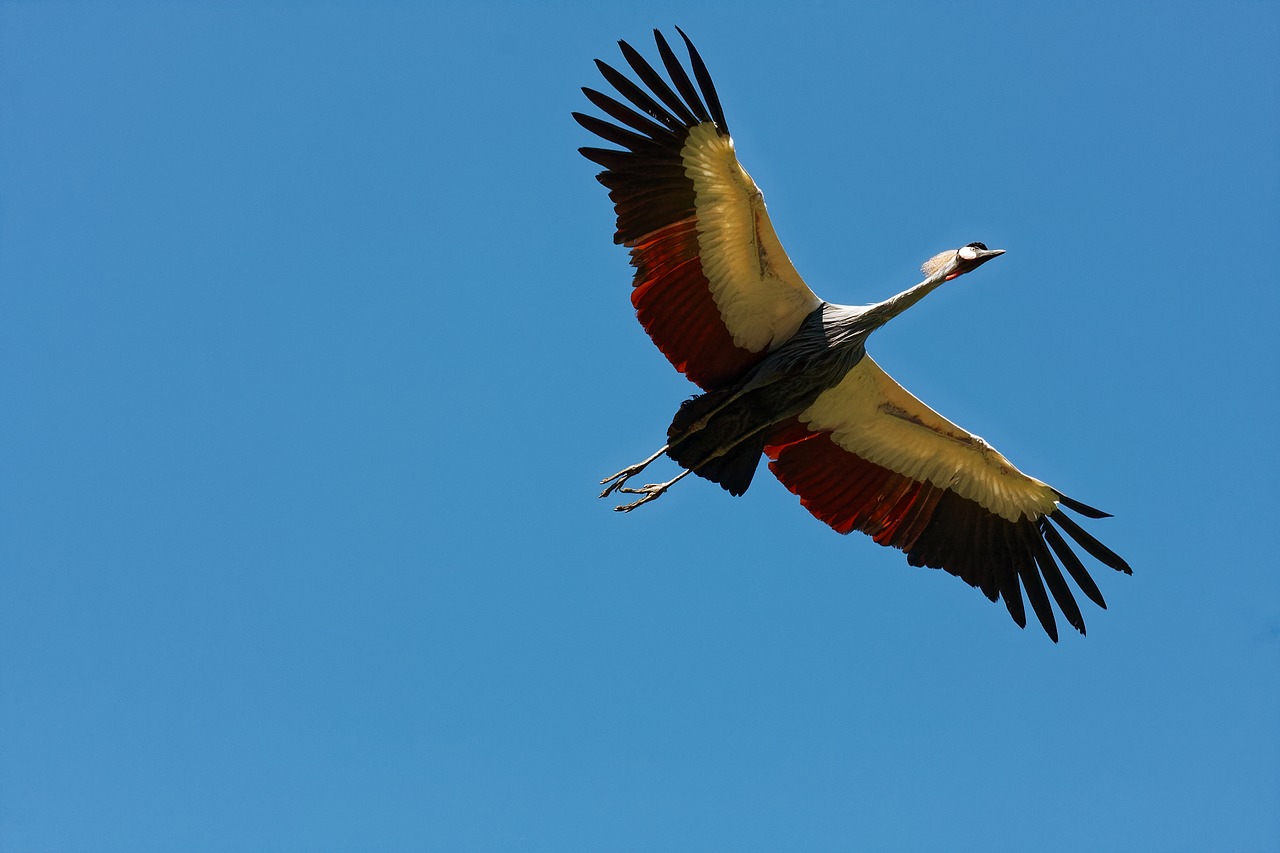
[
  {"x": 869, "y": 456},
  {"x": 713, "y": 286}
]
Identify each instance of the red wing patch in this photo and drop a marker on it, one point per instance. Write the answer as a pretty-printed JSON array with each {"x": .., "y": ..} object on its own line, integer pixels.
[
  {"x": 657, "y": 209},
  {"x": 936, "y": 527},
  {"x": 847, "y": 492},
  {"x": 674, "y": 304}
]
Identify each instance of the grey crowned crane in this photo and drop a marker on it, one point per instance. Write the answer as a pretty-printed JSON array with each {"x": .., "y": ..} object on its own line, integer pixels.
[{"x": 787, "y": 375}]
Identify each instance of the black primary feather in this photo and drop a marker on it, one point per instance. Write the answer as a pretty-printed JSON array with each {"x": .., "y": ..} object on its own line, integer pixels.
[{"x": 704, "y": 81}]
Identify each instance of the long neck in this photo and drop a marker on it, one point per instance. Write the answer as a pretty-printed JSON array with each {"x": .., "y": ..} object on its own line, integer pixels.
[{"x": 883, "y": 312}]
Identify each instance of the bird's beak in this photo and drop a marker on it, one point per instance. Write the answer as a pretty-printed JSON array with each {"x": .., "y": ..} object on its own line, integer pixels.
[
  {"x": 984, "y": 255},
  {"x": 981, "y": 256}
]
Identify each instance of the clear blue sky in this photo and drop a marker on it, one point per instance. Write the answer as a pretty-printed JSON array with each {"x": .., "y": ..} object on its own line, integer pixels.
[{"x": 314, "y": 347}]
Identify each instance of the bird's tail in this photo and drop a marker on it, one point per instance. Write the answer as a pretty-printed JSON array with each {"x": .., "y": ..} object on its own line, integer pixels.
[{"x": 702, "y": 436}]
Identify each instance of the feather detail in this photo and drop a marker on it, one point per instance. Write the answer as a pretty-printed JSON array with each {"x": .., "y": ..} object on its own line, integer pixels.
[{"x": 936, "y": 263}]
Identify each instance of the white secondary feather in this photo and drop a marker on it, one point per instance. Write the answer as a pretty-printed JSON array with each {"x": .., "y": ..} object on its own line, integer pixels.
[
  {"x": 873, "y": 416},
  {"x": 760, "y": 295}
]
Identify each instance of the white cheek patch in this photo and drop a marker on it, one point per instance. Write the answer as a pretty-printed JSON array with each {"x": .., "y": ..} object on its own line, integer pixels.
[{"x": 968, "y": 253}]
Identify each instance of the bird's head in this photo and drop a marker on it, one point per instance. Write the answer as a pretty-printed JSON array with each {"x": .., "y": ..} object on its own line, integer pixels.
[{"x": 957, "y": 262}]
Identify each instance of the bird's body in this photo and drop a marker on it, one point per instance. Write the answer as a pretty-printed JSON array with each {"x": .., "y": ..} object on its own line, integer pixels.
[
  {"x": 732, "y": 424},
  {"x": 786, "y": 374}
]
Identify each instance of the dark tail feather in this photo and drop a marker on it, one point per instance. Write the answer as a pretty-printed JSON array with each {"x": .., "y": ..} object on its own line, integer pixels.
[
  {"x": 690, "y": 446},
  {"x": 692, "y": 410},
  {"x": 734, "y": 470}
]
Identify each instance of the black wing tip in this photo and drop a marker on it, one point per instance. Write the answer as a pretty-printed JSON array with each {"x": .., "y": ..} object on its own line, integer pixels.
[
  {"x": 684, "y": 109},
  {"x": 1054, "y": 580},
  {"x": 1013, "y": 603},
  {"x": 601, "y": 156},
  {"x": 1082, "y": 508},
  {"x": 1072, "y": 563},
  {"x": 1100, "y": 552},
  {"x": 705, "y": 83},
  {"x": 1022, "y": 625},
  {"x": 1014, "y": 561}
]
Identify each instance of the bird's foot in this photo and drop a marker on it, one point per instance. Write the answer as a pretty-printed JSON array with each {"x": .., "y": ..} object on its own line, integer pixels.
[
  {"x": 615, "y": 482},
  {"x": 651, "y": 492}
]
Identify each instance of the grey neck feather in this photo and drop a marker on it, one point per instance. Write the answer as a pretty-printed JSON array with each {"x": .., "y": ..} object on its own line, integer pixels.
[{"x": 879, "y": 314}]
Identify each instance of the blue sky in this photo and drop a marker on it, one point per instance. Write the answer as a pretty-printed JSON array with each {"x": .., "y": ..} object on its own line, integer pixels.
[{"x": 315, "y": 346}]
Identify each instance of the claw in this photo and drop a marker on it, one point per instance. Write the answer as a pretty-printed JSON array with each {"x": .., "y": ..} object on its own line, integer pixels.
[
  {"x": 651, "y": 491},
  {"x": 616, "y": 481}
]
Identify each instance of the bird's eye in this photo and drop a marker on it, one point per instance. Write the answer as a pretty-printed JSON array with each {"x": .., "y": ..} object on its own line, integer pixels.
[{"x": 982, "y": 246}]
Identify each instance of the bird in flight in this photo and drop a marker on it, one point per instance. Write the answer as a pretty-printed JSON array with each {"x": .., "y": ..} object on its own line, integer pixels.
[{"x": 786, "y": 374}]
